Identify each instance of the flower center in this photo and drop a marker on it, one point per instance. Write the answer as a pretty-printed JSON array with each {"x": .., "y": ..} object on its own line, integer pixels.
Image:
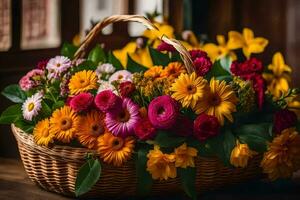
[
  {"x": 58, "y": 65},
  {"x": 66, "y": 123},
  {"x": 30, "y": 106},
  {"x": 120, "y": 77},
  {"x": 124, "y": 116},
  {"x": 96, "y": 130},
  {"x": 191, "y": 89},
  {"x": 117, "y": 143},
  {"x": 215, "y": 100},
  {"x": 160, "y": 111},
  {"x": 45, "y": 132}
]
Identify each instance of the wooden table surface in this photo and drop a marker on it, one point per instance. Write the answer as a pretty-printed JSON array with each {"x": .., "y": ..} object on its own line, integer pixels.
[{"x": 15, "y": 185}]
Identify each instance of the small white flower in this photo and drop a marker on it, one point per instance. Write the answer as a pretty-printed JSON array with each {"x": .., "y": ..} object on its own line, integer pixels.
[
  {"x": 32, "y": 106},
  {"x": 105, "y": 85},
  {"x": 58, "y": 65},
  {"x": 121, "y": 76},
  {"x": 106, "y": 68}
]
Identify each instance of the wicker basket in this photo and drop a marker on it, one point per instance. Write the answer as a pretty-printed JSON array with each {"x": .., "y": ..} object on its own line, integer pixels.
[{"x": 55, "y": 169}]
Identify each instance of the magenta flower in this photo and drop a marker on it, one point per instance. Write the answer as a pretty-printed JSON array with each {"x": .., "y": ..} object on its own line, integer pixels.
[
  {"x": 107, "y": 101},
  {"x": 122, "y": 122},
  {"x": 163, "y": 112},
  {"x": 165, "y": 47},
  {"x": 144, "y": 130},
  {"x": 31, "y": 79},
  {"x": 81, "y": 102}
]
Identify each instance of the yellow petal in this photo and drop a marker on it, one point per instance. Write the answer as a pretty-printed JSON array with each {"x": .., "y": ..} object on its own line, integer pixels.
[
  {"x": 221, "y": 39},
  {"x": 248, "y": 34},
  {"x": 257, "y": 45},
  {"x": 235, "y": 40}
]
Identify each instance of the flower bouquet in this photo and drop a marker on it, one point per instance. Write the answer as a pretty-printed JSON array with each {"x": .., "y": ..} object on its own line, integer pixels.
[{"x": 154, "y": 117}]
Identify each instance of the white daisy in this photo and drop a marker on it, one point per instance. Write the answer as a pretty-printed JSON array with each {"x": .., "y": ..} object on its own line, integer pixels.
[
  {"x": 32, "y": 106},
  {"x": 58, "y": 65},
  {"x": 121, "y": 76},
  {"x": 106, "y": 68},
  {"x": 105, "y": 85}
]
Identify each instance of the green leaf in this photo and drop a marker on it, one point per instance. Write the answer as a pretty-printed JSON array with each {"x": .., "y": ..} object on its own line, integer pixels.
[
  {"x": 175, "y": 57},
  {"x": 133, "y": 66},
  {"x": 27, "y": 127},
  {"x": 87, "y": 176},
  {"x": 58, "y": 104},
  {"x": 226, "y": 78},
  {"x": 46, "y": 110},
  {"x": 188, "y": 178},
  {"x": 222, "y": 145},
  {"x": 97, "y": 55},
  {"x": 11, "y": 114},
  {"x": 255, "y": 135},
  {"x": 68, "y": 50},
  {"x": 217, "y": 70},
  {"x": 159, "y": 58},
  {"x": 226, "y": 63},
  {"x": 143, "y": 176},
  {"x": 14, "y": 93},
  {"x": 86, "y": 65},
  {"x": 164, "y": 140},
  {"x": 114, "y": 61}
]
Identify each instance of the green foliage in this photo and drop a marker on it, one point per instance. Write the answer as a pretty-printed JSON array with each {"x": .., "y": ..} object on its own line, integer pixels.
[
  {"x": 46, "y": 111},
  {"x": 133, "y": 66},
  {"x": 11, "y": 114},
  {"x": 164, "y": 140},
  {"x": 222, "y": 145},
  {"x": 68, "y": 50},
  {"x": 159, "y": 58},
  {"x": 226, "y": 63},
  {"x": 57, "y": 105},
  {"x": 97, "y": 55},
  {"x": 87, "y": 176},
  {"x": 114, "y": 61},
  {"x": 14, "y": 93},
  {"x": 255, "y": 135},
  {"x": 143, "y": 177},
  {"x": 26, "y": 126},
  {"x": 187, "y": 177},
  {"x": 86, "y": 65},
  {"x": 217, "y": 70}
]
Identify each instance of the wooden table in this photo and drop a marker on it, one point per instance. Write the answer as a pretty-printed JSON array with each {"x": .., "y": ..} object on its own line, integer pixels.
[{"x": 15, "y": 185}]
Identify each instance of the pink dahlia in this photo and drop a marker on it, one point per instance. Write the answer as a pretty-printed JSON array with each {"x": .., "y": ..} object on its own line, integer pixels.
[
  {"x": 126, "y": 88},
  {"x": 107, "y": 101},
  {"x": 144, "y": 130},
  {"x": 81, "y": 102},
  {"x": 163, "y": 112},
  {"x": 122, "y": 122},
  {"x": 57, "y": 65},
  {"x": 31, "y": 79}
]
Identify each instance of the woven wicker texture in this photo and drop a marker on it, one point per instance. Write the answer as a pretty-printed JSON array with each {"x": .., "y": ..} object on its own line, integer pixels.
[{"x": 55, "y": 170}]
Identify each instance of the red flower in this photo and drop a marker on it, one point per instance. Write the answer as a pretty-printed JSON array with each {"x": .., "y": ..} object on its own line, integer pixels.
[
  {"x": 42, "y": 64},
  {"x": 252, "y": 65},
  {"x": 284, "y": 119},
  {"x": 258, "y": 86},
  {"x": 235, "y": 68},
  {"x": 206, "y": 126},
  {"x": 197, "y": 54},
  {"x": 165, "y": 47},
  {"x": 144, "y": 130},
  {"x": 126, "y": 88},
  {"x": 107, "y": 101},
  {"x": 202, "y": 65},
  {"x": 81, "y": 102},
  {"x": 183, "y": 127}
]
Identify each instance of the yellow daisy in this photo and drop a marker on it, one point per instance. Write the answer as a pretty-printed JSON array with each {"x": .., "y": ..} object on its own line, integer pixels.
[
  {"x": 240, "y": 155},
  {"x": 41, "y": 133},
  {"x": 115, "y": 150},
  {"x": 174, "y": 69},
  {"x": 220, "y": 101},
  {"x": 188, "y": 89},
  {"x": 185, "y": 156},
  {"x": 89, "y": 128},
  {"x": 153, "y": 72},
  {"x": 83, "y": 81},
  {"x": 62, "y": 124},
  {"x": 161, "y": 166}
]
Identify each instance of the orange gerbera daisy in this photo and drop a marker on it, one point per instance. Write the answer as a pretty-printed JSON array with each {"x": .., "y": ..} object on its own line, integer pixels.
[
  {"x": 154, "y": 72},
  {"x": 63, "y": 123},
  {"x": 174, "y": 69},
  {"x": 90, "y": 128},
  {"x": 83, "y": 81},
  {"x": 115, "y": 150},
  {"x": 41, "y": 133}
]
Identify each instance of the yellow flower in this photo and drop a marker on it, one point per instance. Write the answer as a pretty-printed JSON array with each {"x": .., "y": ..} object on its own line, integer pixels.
[
  {"x": 188, "y": 89},
  {"x": 283, "y": 155},
  {"x": 90, "y": 127},
  {"x": 185, "y": 156},
  {"x": 218, "y": 51},
  {"x": 220, "y": 101},
  {"x": 278, "y": 82},
  {"x": 115, "y": 150},
  {"x": 83, "y": 81},
  {"x": 174, "y": 69},
  {"x": 154, "y": 72},
  {"x": 161, "y": 166},
  {"x": 41, "y": 133},
  {"x": 62, "y": 124},
  {"x": 247, "y": 42},
  {"x": 240, "y": 155},
  {"x": 163, "y": 29}
]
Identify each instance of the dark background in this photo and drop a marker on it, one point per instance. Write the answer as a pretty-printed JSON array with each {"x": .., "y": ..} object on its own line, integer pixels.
[{"x": 276, "y": 20}]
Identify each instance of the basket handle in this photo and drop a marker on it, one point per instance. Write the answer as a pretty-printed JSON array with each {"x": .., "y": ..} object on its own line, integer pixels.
[{"x": 95, "y": 32}]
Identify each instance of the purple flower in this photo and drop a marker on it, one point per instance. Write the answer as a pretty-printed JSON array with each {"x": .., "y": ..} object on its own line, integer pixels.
[
  {"x": 122, "y": 122},
  {"x": 57, "y": 65},
  {"x": 163, "y": 112}
]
